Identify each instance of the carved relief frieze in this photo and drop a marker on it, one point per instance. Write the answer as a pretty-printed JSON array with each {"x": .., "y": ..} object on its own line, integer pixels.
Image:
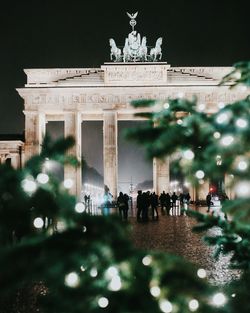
[
  {"x": 117, "y": 98},
  {"x": 153, "y": 75}
]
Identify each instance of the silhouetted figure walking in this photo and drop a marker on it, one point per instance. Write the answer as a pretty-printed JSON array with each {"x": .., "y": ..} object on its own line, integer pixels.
[
  {"x": 181, "y": 197},
  {"x": 208, "y": 200},
  {"x": 126, "y": 200},
  {"x": 145, "y": 205},
  {"x": 139, "y": 205},
  {"x": 121, "y": 205},
  {"x": 162, "y": 199},
  {"x": 168, "y": 203},
  {"x": 174, "y": 199},
  {"x": 154, "y": 205},
  {"x": 187, "y": 198}
]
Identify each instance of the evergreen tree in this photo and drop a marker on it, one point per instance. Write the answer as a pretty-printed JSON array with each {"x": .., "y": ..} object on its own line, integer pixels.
[
  {"x": 71, "y": 262},
  {"x": 211, "y": 147}
]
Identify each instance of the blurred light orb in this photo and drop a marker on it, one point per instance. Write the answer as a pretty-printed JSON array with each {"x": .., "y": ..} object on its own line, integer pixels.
[
  {"x": 241, "y": 123},
  {"x": 242, "y": 189},
  {"x": 48, "y": 164},
  {"x": 227, "y": 140},
  {"x": 155, "y": 291},
  {"x": 219, "y": 299},
  {"x": 112, "y": 271},
  {"x": 83, "y": 268},
  {"x": 68, "y": 183},
  {"x": 79, "y": 207},
  {"x": 61, "y": 226},
  {"x": 179, "y": 121},
  {"x": 217, "y": 135},
  {"x": 115, "y": 284},
  {"x": 222, "y": 118},
  {"x": 242, "y": 165},
  {"x": 200, "y": 174},
  {"x": 221, "y": 105},
  {"x": 103, "y": 302},
  {"x": 193, "y": 305},
  {"x": 72, "y": 280},
  {"x": 147, "y": 260},
  {"x": 188, "y": 154},
  {"x": 38, "y": 222},
  {"x": 201, "y": 273},
  {"x": 93, "y": 272},
  {"x": 42, "y": 178},
  {"x": 28, "y": 185},
  {"x": 166, "y": 306},
  {"x": 166, "y": 105},
  {"x": 201, "y": 107}
]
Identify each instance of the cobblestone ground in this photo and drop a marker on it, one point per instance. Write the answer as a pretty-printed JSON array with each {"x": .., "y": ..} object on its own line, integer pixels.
[{"x": 174, "y": 234}]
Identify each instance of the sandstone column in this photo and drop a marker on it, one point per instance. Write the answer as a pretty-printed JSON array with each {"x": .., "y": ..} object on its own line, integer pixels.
[
  {"x": 72, "y": 127},
  {"x": 203, "y": 190},
  {"x": 15, "y": 161},
  {"x": 193, "y": 192},
  {"x": 161, "y": 175},
  {"x": 110, "y": 150},
  {"x": 2, "y": 159},
  {"x": 34, "y": 132},
  {"x": 229, "y": 186}
]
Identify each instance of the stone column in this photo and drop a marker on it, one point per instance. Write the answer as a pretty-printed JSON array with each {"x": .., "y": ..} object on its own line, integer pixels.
[
  {"x": 203, "y": 190},
  {"x": 193, "y": 192},
  {"x": 34, "y": 133},
  {"x": 15, "y": 161},
  {"x": 2, "y": 159},
  {"x": 72, "y": 127},
  {"x": 110, "y": 150},
  {"x": 161, "y": 175},
  {"x": 229, "y": 186}
]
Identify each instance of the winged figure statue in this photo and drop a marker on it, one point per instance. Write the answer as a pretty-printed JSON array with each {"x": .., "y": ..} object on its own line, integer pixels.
[{"x": 132, "y": 15}]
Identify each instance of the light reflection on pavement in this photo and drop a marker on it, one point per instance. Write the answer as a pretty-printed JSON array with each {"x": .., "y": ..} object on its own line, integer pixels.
[{"x": 174, "y": 234}]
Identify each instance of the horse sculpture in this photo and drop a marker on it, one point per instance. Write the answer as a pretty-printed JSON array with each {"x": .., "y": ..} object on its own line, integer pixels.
[
  {"x": 126, "y": 51},
  {"x": 143, "y": 50},
  {"x": 154, "y": 52},
  {"x": 115, "y": 51}
]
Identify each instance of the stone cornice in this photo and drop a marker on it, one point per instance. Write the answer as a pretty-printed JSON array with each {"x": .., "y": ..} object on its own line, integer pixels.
[{"x": 125, "y": 74}]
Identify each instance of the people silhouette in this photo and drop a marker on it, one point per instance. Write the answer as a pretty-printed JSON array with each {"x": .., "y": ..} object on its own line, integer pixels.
[
  {"x": 208, "y": 201},
  {"x": 154, "y": 205}
]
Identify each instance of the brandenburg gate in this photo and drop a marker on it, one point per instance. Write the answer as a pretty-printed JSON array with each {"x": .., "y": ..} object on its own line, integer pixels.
[{"x": 75, "y": 95}]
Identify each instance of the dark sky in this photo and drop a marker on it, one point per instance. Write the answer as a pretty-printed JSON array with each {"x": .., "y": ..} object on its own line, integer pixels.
[{"x": 75, "y": 33}]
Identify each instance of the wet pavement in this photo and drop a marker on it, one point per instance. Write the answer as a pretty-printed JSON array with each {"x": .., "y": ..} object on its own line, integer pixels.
[{"x": 174, "y": 234}]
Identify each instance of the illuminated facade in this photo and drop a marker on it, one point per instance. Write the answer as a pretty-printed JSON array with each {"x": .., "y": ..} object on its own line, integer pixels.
[{"x": 104, "y": 94}]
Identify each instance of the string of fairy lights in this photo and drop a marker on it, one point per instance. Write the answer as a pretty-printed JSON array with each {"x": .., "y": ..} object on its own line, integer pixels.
[
  {"x": 112, "y": 275},
  {"x": 114, "y": 284}
]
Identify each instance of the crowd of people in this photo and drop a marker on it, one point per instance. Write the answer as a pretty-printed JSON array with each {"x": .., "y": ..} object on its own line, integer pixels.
[{"x": 147, "y": 202}]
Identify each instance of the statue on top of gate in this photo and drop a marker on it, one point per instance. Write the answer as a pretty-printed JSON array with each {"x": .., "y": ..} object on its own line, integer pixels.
[{"x": 135, "y": 49}]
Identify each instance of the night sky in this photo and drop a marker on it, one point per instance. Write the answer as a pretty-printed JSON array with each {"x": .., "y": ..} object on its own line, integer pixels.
[{"x": 75, "y": 33}]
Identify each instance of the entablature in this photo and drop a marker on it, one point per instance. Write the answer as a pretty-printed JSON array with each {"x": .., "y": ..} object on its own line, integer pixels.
[{"x": 125, "y": 74}]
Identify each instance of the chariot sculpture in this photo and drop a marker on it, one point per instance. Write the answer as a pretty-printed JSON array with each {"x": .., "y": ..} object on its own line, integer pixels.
[{"x": 135, "y": 48}]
